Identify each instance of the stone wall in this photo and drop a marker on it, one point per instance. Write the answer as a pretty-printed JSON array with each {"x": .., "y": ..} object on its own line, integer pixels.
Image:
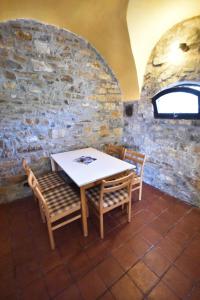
[
  {"x": 56, "y": 94},
  {"x": 172, "y": 146},
  {"x": 168, "y": 64}
]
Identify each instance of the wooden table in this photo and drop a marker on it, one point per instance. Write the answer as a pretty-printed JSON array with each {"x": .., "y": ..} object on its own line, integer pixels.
[{"x": 88, "y": 175}]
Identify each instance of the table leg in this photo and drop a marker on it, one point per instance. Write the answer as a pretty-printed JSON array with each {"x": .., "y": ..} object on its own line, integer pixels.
[
  {"x": 84, "y": 211},
  {"x": 54, "y": 166}
]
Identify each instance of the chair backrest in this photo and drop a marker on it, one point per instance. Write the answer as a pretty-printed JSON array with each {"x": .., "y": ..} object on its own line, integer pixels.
[
  {"x": 25, "y": 166},
  {"x": 109, "y": 186},
  {"x": 138, "y": 159},
  {"x": 33, "y": 183},
  {"x": 114, "y": 150},
  {"x": 32, "y": 180},
  {"x": 41, "y": 199}
]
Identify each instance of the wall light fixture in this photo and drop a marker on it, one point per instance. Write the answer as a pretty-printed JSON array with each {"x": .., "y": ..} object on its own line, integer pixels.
[{"x": 184, "y": 47}]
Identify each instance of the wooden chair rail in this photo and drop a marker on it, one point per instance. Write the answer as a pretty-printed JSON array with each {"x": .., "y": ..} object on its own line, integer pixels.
[
  {"x": 115, "y": 150},
  {"x": 137, "y": 159}
]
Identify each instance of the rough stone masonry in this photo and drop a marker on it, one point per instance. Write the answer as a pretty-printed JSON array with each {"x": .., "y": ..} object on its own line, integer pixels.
[
  {"x": 172, "y": 146},
  {"x": 56, "y": 94}
]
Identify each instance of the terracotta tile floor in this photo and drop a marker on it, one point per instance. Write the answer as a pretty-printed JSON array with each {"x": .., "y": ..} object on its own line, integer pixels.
[{"x": 156, "y": 256}]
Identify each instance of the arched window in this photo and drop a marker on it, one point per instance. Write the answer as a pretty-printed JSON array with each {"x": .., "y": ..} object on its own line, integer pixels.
[{"x": 178, "y": 102}]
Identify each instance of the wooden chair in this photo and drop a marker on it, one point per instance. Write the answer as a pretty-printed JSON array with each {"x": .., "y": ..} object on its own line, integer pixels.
[
  {"x": 57, "y": 204},
  {"x": 115, "y": 150},
  {"x": 47, "y": 181},
  {"x": 138, "y": 160},
  {"x": 109, "y": 195}
]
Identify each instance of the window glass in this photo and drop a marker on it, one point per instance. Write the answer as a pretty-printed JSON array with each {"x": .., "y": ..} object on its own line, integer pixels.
[{"x": 178, "y": 102}]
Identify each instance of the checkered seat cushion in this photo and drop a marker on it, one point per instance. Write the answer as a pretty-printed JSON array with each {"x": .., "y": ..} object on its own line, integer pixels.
[
  {"x": 62, "y": 199},
  {"x": 50, "y": 181},
  {"x": 109, "y": 199}
]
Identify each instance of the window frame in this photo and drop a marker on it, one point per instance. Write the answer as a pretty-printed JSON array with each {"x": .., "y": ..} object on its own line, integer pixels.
[{"x": 179, "y": 88}]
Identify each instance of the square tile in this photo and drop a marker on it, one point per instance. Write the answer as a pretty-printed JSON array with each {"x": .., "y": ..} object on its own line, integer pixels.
[
  {"x": 57, "y": 280},
  {"x": 6, "y": 266},
  {"x": 125, "y": 289},
  {"x": 79, "y": 265},
  {"x": 188, "y": 266},
  {"x": 139, "y": 245},
  {"x": 107, "y": 296},
  {"x": 50, "y": 261},
  {"x": 69, "y": 249},
  {"x": 180, "y": 236},
  {"x": 193, "y": 249},
  {"x": 162, "y": 225},
  {"x": 169, "y": 249},
  {"x": 157, "y": 206},
  {"x": 109, "y": 270},
  {"x": 125, "y": 256},
  {"x": 97, "y": 250},
  {"x": 8, "y": 286},
  {"x": 91, "y": 285},
  {"x": 156, "y": 262},
  {"x": 179, "y": 209},
  {"x": 5, "y": 248},
  {"x": 71, "y": 293},
  {"x": 150, "y": 235},
  {"x": 24, "y": 254},
  {"x": 195, "y": 293},
  {"x": 27, "y": 273},
  {"x": 162, "y": 292},
  {"x": 144, "y": 278},
  {"x": 193, "y": 217},
  {"x": 35, "y": 291},
  {"x": 145, "y": 215},
  {"x": 178, "y": 282}
]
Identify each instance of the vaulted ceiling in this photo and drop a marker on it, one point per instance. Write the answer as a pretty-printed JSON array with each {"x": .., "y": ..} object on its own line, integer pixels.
[{"x": 124, "y": 32}]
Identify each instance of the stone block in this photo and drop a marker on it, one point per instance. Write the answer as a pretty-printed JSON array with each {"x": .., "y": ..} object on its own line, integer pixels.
[
  {"x": 20, "y": 59},
  {"x": 116, "y": 114},
  {"x": 57, "y": 133},
  {"x": 41, "y": 66},
  {"x": 104, "y": 131},
  {"x": 9, "y": 85},
  {"x": 118, "y": 132},
  {"x": 42, "y": 47},
  {"x": 10, "y": 64},
  {"x": 67, "y": 78},
  {"x": 9, "y": 75},
  {"x": 24, "y": 36}
]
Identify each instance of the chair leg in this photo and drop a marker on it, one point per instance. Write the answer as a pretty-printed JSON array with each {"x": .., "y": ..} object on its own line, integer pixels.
[
  {"x": 101, "y": 226},
  {"x": 140, "y": 192},
  {"x": 42, "y": 213},
  {"x": 129, "y": 211},
  {"x": 51, "y": 238}
]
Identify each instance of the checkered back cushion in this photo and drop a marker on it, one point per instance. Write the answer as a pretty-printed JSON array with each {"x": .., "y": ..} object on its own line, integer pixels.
[
  {"x": 50, "y": 181},
  {"x": 62, "y": 199},
  {"x": 109, "y": 199}
]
